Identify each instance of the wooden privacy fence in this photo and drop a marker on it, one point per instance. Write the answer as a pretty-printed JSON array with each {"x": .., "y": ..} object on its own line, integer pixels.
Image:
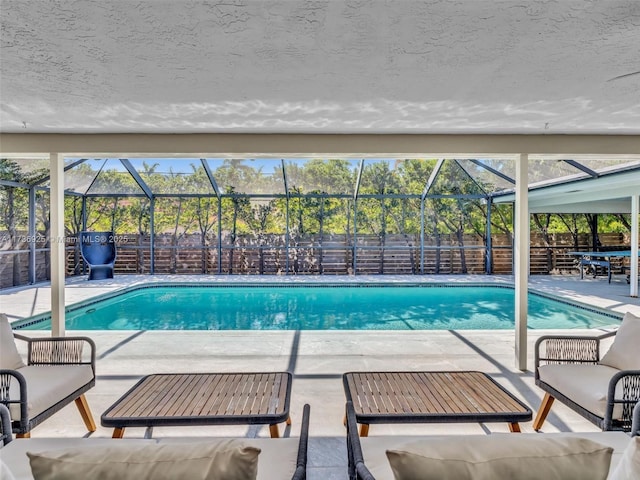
[
  {"x": 331, "y": 255},
  {"x": 311, "y": 254},
  {"x": 334, "y": 254}
]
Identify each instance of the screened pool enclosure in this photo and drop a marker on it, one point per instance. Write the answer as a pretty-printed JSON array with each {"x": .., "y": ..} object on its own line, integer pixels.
[{"x": 297, "y": 215}]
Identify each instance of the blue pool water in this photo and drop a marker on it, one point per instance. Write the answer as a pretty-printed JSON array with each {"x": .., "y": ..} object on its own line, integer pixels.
[{"x": 322, "y": 308}]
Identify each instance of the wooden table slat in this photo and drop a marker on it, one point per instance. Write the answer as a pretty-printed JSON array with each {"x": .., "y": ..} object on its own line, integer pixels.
[
  {"x": 395, "y": 390},
  {"x": 421, "y": 400},
  {"x": 379, "y": 395},
  {"x": 132, "y": 402},
  {"x": 447, "y": 399},
  {"x": 231, "y": 387},
  {"x": 279, "y": 393},
  {"x": 430, "y": 399},
  {"x": 493, "y": 394},
  {"x": 253, "y": 394},
  {"x": 156, "y": 403},
  {"x": 135, "y": 405},
  {"x": 484, "y": 396},
  {"x": 244, "y": 395},
  {"x": 481, "y": 399},
  {"x": 366, "y": 387},
  {"x": 177, "y": 394},
  {"x": 400, "y": 396},
  {"x": 198, "y": 394},
  {"x": 213, "y": 385},
  {"x": 359, "y": 394},
  {"x": 263, "y": 401}
]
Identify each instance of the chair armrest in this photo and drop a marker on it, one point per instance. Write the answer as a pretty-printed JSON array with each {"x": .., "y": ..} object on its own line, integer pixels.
[
  {"x": 568, "y": 349},
  {"x": 303, "y": 444},
  {"x": 6, "y": 376},
  {"x": 60, "y": 351},
  {"x": 357, "y": 468},
  {"x": 635, "y": 424},
  {"x": 6, "y": 434},
  {"x": 630, "y": 381}
]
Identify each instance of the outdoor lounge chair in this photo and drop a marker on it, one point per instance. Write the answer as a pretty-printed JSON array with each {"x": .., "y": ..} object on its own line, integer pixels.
[
  {"x": 59, "y": 370},
  {"x": 368, "y": 457},
  {"x": 603, "y": 390},
  {"x": 99, "y": 251},
  {"x": 279, "y": 458}
]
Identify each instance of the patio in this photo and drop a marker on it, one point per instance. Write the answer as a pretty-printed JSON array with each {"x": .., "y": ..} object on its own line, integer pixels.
[{"x": 317, "y": 359}]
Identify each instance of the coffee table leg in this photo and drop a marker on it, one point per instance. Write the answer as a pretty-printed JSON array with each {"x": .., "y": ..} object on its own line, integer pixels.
[
  {"x": 118, "y": 432},
  {"x": 273, "y": 429},
  {"x": 514, "y": 427},
  {"x": 364, "y": 429}
]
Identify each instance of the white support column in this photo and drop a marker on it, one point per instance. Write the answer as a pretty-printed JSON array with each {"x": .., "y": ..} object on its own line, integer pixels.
[
  {"x": 635, "y": 211},
  {"x": 521, "y": 259},
  {"x": 56, "y": 166}
]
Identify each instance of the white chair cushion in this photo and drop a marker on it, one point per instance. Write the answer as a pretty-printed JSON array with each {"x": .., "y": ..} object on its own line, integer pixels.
[
  {"x": 586, "y": 385},
  {"x": 629, "y": 465},
  {"x": 225, "y": 460},
  {"x": 624, "y": 353},
  {"x": 5, "y": 473},
  {"x": 47, "y": 385},
  {"x": 9, "y": 357},
  {"x": 501, "y": 456}
]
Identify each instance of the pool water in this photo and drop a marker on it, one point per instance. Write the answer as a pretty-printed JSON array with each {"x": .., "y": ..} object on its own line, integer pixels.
[{"x": 323, "y": 308}]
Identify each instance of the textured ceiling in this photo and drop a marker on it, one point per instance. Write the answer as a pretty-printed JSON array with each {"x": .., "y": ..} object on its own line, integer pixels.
[{"x": 365, "y": 66}]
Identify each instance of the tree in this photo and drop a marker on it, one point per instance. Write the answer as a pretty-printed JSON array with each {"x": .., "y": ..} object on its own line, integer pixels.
[
  {"x": 43, "y": 218},
  {"x": 542, "y": 222},
  {"x": 574, "y": 224},
  {"x": 235, "y": 208},
  {"x": 179, "y": 212},
  {"x": 450, "y": 211},
  {"x": 73, "y": 226},
  {"x": 261, "y": 212},
  {"x": 14, "y": 208}
]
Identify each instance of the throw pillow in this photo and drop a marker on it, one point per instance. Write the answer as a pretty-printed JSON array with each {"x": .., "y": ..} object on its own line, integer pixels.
[
  {"x": 9, "y": 356},
  {"x": 224, "y": 460},
  {"x": 501, "y": 456},
  {"x": 629, "y": 466},
  {"x": 623, "y": 353}
]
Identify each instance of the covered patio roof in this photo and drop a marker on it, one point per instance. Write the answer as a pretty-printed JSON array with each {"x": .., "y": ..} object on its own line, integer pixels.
[
  {"x": 595, "y": 194},
  {"x": 254, "y": 66}
]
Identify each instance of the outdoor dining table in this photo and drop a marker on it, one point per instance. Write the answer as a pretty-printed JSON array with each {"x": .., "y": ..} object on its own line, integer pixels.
[{"x": 601, "y": 259}]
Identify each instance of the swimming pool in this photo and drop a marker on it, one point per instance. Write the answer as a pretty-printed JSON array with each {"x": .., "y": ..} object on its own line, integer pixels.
[{"x": 332, "y": 307}]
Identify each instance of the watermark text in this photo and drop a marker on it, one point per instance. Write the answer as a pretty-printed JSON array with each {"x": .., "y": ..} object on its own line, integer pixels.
[{"x": 40, "y": 238}]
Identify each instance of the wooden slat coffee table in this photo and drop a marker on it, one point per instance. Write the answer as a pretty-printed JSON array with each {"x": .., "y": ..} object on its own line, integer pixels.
[
  {"x": 179, "y": 399},
  {"x": 431, "y": 397}
]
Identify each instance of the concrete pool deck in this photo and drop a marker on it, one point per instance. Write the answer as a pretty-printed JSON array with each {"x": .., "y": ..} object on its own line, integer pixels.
[{"x": 317, "y": 359}]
